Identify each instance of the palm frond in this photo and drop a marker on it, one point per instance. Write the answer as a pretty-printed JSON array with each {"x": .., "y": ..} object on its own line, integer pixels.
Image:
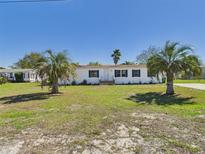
[{"x": 174, "y": 58}]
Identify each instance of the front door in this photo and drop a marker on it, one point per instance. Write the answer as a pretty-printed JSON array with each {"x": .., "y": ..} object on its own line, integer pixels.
[{"x": 106, "y": 75}]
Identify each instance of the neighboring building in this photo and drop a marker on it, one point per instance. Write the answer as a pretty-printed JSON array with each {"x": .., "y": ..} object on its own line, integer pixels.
[
  {"x": 190, "y": 76},
  {"x": 116, "y": 74},
  {"x": 26, "y": 75}
]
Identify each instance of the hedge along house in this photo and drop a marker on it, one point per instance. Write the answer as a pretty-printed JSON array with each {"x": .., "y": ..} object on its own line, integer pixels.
[
  {"x": 113, "y": 74},
  {"x": 19, "y": 75}
]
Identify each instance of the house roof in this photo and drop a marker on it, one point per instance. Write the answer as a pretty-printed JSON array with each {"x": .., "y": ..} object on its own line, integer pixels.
[
  {"x": 14, "y": 70},
  {"x": 113, "y": 66},
  {"x": 80, "y": 66}
]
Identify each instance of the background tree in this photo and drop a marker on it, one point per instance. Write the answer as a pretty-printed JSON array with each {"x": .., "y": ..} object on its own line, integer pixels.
[
  {"x": 30, "y": 61},
  {"x": 172, "y": 59},
  {"x": 75, "y": 64},
  {"x": 128, "y": 63},
  {"x": 116, "y": 56},
  {"x": 56, "y": 67},
  {"x": 143, "y": 57},
  {"x": 94, "y": 63},
  {"x": 2, "y": 68}
]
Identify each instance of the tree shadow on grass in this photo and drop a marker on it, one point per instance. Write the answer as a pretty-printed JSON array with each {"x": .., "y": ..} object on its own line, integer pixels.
[
  {"x": 24, "y": 98},
  {"x": 160, "y": 99}
]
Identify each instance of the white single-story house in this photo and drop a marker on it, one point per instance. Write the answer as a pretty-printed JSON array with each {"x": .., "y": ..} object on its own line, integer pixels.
[
  {"x": 88, "y": 74},
  {"x": 25, "y": 75},
  {"x": 100, "y": 74},
  {"x": 113, "y": 74}
]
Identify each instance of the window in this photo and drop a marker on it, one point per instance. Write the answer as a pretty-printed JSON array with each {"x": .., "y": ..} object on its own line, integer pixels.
[
  {"x": 117, "y": 73},
  {"x": 135, "y": 73},
  {"x": 93, "y": 73},
  {"x": 124, "y": 73},
  {"x": 121, "y": 73}
]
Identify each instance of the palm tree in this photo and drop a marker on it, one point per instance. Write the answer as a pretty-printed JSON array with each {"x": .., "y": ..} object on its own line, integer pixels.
[
  {"x": 116, "y": 56},
  {"x": 56, "y": 67},
  {"x": 172, "y": 59}
]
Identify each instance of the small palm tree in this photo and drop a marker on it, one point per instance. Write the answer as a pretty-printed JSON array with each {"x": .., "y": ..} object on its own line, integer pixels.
[
  {"x": 116, "y": 56},
  {"x": 172, "y": 59},
  {"x": 56, "y": 67}
]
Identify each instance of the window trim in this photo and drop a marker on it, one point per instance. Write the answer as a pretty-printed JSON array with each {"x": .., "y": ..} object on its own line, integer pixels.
[
  {"x": 138, "y": 75},
  {"x": 89, "y": 73},
  {"x": 121, "y": 73},
  {"x": 117, "y": 73}
]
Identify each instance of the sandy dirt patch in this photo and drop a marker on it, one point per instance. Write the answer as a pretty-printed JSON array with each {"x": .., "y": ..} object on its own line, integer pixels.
[{"x": 143, "y": 133}]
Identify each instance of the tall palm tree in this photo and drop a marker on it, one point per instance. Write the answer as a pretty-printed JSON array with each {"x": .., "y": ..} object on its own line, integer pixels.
[
  {"x": 116, "y": 56},
  {"x": 172, "y": 59},
  {"x": 56, "y": 67}
]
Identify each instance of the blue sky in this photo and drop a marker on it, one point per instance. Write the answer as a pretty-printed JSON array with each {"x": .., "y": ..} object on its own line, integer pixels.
[{"x": 91, "y": 29}]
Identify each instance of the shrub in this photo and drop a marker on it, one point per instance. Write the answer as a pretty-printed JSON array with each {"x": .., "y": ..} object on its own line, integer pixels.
[
  {"x": 19, "y": 77},
  {"x": 163, "y": 80},
  {"x": 3, "y": 80},
  {"x": 84, "y": 82},
  {"x": 74, "y": 83}
]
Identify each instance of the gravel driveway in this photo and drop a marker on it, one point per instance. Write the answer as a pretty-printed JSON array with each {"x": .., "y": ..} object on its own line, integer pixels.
[{"x": 192, "y": 85}]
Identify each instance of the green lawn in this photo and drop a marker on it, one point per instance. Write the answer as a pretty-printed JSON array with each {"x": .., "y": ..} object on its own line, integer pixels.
[
  {"x": 190, "y": 81},
  {"x": 25, "y": 104},
  {"x": 90, "y": 110}
]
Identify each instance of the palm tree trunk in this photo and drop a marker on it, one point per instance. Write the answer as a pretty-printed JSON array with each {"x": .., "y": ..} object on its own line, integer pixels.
[
  {"x": 55, "y": 88},
  {"x": 170, "y": 86}
]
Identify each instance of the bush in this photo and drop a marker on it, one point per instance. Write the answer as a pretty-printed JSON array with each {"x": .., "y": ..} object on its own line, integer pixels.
[
  {"x": 163, "y": 80},
  {"x": 73, "y": 83},
  {"x": 19, "y": 77},
  {"x": 84, "y": 82},
  {"x": 3, "y": 80}
]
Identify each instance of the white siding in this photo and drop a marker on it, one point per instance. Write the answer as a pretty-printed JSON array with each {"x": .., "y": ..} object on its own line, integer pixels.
[
  {"x": 108, "y": 74},
  {"x": 134, "y": 80},
  {"x": 83, "y": 74},
  {"x": 28, "y": 75},
  {"x": 105, "y": 74}
]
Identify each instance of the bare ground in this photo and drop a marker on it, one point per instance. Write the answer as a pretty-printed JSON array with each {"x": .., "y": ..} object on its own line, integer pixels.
[{"x": 142, "y": 133}]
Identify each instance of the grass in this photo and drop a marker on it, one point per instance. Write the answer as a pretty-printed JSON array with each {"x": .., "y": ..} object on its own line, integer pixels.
[
  {"x": 190, "y": 81},
  {"x": 25, "y": 104},
  {"x": 92, "y": 109},
  {"x": 180, "y": 144}
]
